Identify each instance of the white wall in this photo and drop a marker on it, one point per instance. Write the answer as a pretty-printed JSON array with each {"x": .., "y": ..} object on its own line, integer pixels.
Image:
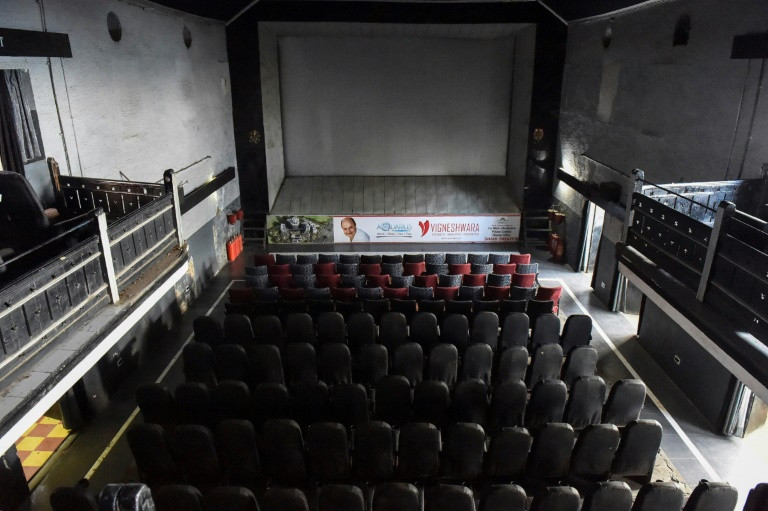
[
  {"x": 270, "y": 100},
  {"x": 395, "y": 105},
  {"x": 395, "y": 99},
  {"x": 141, "y": 105}
]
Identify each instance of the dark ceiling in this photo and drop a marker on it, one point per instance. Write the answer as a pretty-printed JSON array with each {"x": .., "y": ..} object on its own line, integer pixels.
[
  {"x": 577, "y": 9},
  {"x": 568, "y": 9},
  {"x": 223, "y": 10}
]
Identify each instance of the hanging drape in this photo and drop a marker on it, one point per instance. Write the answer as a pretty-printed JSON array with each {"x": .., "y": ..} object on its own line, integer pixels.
[{"x": 18, "y": 137}]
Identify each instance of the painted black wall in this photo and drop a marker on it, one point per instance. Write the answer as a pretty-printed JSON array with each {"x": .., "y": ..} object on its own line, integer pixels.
[
  {"x": 243, "y": 54},
  {"x": 693, "y": 369},
  {"x": 243, "y": 50},
  {"x": 551, "y": 36}
]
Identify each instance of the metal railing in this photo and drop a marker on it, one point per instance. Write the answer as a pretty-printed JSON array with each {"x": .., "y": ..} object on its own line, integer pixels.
[
  {"x": 116, "y": 198},
  {"x": 725, "y": 263}
]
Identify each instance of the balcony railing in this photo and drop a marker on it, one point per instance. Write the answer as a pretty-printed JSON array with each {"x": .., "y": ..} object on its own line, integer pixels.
[{"x": 125, "y": 228}]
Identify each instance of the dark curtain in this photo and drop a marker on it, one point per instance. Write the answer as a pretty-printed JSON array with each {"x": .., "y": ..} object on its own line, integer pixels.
[{"x": 18, "y": 137}]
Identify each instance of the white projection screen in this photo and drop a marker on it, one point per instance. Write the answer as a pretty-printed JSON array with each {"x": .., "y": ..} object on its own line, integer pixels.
[{"x": 404, "y": 105}]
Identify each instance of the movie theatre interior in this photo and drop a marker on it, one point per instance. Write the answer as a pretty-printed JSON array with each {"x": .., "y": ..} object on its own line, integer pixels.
[{"x": 352, "y": 255}]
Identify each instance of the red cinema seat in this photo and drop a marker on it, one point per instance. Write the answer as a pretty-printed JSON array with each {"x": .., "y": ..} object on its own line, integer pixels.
[
  {"x": 381, "y": 281},
  {"x": 268, "y": 259},
  {"x": 370, "y": 269},
  {"x": 344, "y": 294},
  {"x": 446, "y": 293},
  {"x": 496, "y": 293},
  {"x": 330, "y": 281},
  {"x": 475, "y": 279},
  {"x": 504, "y": 269},
  {"x": 523, "y": 279},
  {"x": 279, "y": 269},
  {"x": 325, "y": 268},
  {"x": 414, "y": 268},
  {"x": 550, "y": 293},
  {"x": 460, "y": 269},
  {"x": 425, "y": 281},
  {"x": 281, "y": 280},
  {"x": 291, "y": 293},
  {"x": 400, "y": 293},
  {"x": 520, "y": 258}
]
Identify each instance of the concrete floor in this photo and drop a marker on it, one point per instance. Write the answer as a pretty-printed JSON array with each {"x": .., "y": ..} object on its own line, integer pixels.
[{"x": 100, "y": 451}]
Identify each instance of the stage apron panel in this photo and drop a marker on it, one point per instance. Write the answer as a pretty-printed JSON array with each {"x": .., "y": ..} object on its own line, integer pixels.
[{"x": 498, "y": 228}]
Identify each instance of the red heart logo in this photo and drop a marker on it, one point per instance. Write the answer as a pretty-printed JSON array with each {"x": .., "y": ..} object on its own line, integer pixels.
[{"x": 424, "y": 227}]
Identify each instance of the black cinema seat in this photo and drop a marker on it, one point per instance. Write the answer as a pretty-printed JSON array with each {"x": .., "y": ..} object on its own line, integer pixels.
[
  {"x": 238, "y": 453},
  {"x": 393, "y": 400},
  {"x": 659, "y": 496},
  {"x": 608, "y": 496},
  {"x": 76, "y": 498},
  {"x": 231, "y": 498},
  {"x": 449, "y": 497},
  {"x": 374, "y": 459},
  {"x": 503, "y": 497},
  {"x": 463, "y": 453},
  {"x": 557, "y": 498},
  {"x": 328, "y": 452},
  {"x": 340, "y": 497},
  {"x": 636, "y": 455},
  {"x": 593, "y": 453},
  {"x": 419, "y": 452},
  {"x": 624, "y": 403},
  {"x": 507, "y": 454},
  {"x": 178, "y": 496},
  {"x": 152, "y": 454},
  {"x": 396, "y": 497},
  {"x": 712, "y": 496}
]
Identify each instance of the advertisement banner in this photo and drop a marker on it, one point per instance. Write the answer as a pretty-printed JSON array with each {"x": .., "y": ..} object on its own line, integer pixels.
[
  {"x": 426, "y": 229},
  {"x": 299, "y": 229}
]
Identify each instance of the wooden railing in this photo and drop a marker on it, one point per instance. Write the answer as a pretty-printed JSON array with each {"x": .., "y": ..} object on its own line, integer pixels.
[{"x": 47, "y": 299}]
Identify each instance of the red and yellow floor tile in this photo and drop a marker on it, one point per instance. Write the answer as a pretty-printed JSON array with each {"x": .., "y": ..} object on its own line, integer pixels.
[{"x": 38, "y": 443}]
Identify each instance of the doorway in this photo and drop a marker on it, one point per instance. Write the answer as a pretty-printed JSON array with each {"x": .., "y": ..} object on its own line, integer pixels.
[{"x": 593, "y": 230}]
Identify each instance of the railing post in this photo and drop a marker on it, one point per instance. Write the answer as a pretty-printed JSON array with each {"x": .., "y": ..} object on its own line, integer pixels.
[
  {"x": 620, "y": 284},
  {"x": 635, "y": 185},
  {"x": 172, "y": 185},
  {"x": 724, "y": 209},
  {"x": 106, "y": 250}
]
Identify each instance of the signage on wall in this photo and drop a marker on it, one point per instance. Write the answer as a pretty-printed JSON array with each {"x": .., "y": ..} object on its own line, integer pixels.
[
  {"x": 28, "y": 43},
  {"x": 427, "y": 229}
]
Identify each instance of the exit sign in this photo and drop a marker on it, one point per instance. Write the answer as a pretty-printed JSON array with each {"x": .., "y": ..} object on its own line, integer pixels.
[{"x": 28, "y": 43}]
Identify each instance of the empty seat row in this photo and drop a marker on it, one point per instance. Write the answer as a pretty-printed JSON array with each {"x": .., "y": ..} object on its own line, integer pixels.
[
  {"x": 280, "y": 453},
  {"x": 335, "y": 363},
  {"x": 604, "y": 496},
  {"x": 368, "y": 258},
  {"x": 351, "y": 289},
  {"x": 393, "y": 330},
  {"x": 378, "y": 307},
  {"x": 393, "y": 401},
  {"x": 391, "y": 275}
]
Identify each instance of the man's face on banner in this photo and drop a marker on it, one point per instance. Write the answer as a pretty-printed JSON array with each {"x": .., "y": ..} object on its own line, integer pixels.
[{"x": 349, "y": 228}]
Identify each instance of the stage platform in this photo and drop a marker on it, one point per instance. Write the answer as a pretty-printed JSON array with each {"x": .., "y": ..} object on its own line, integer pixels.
[
  {"x": 395, "y": 195},
  {"x": 408, "y": 209}
]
